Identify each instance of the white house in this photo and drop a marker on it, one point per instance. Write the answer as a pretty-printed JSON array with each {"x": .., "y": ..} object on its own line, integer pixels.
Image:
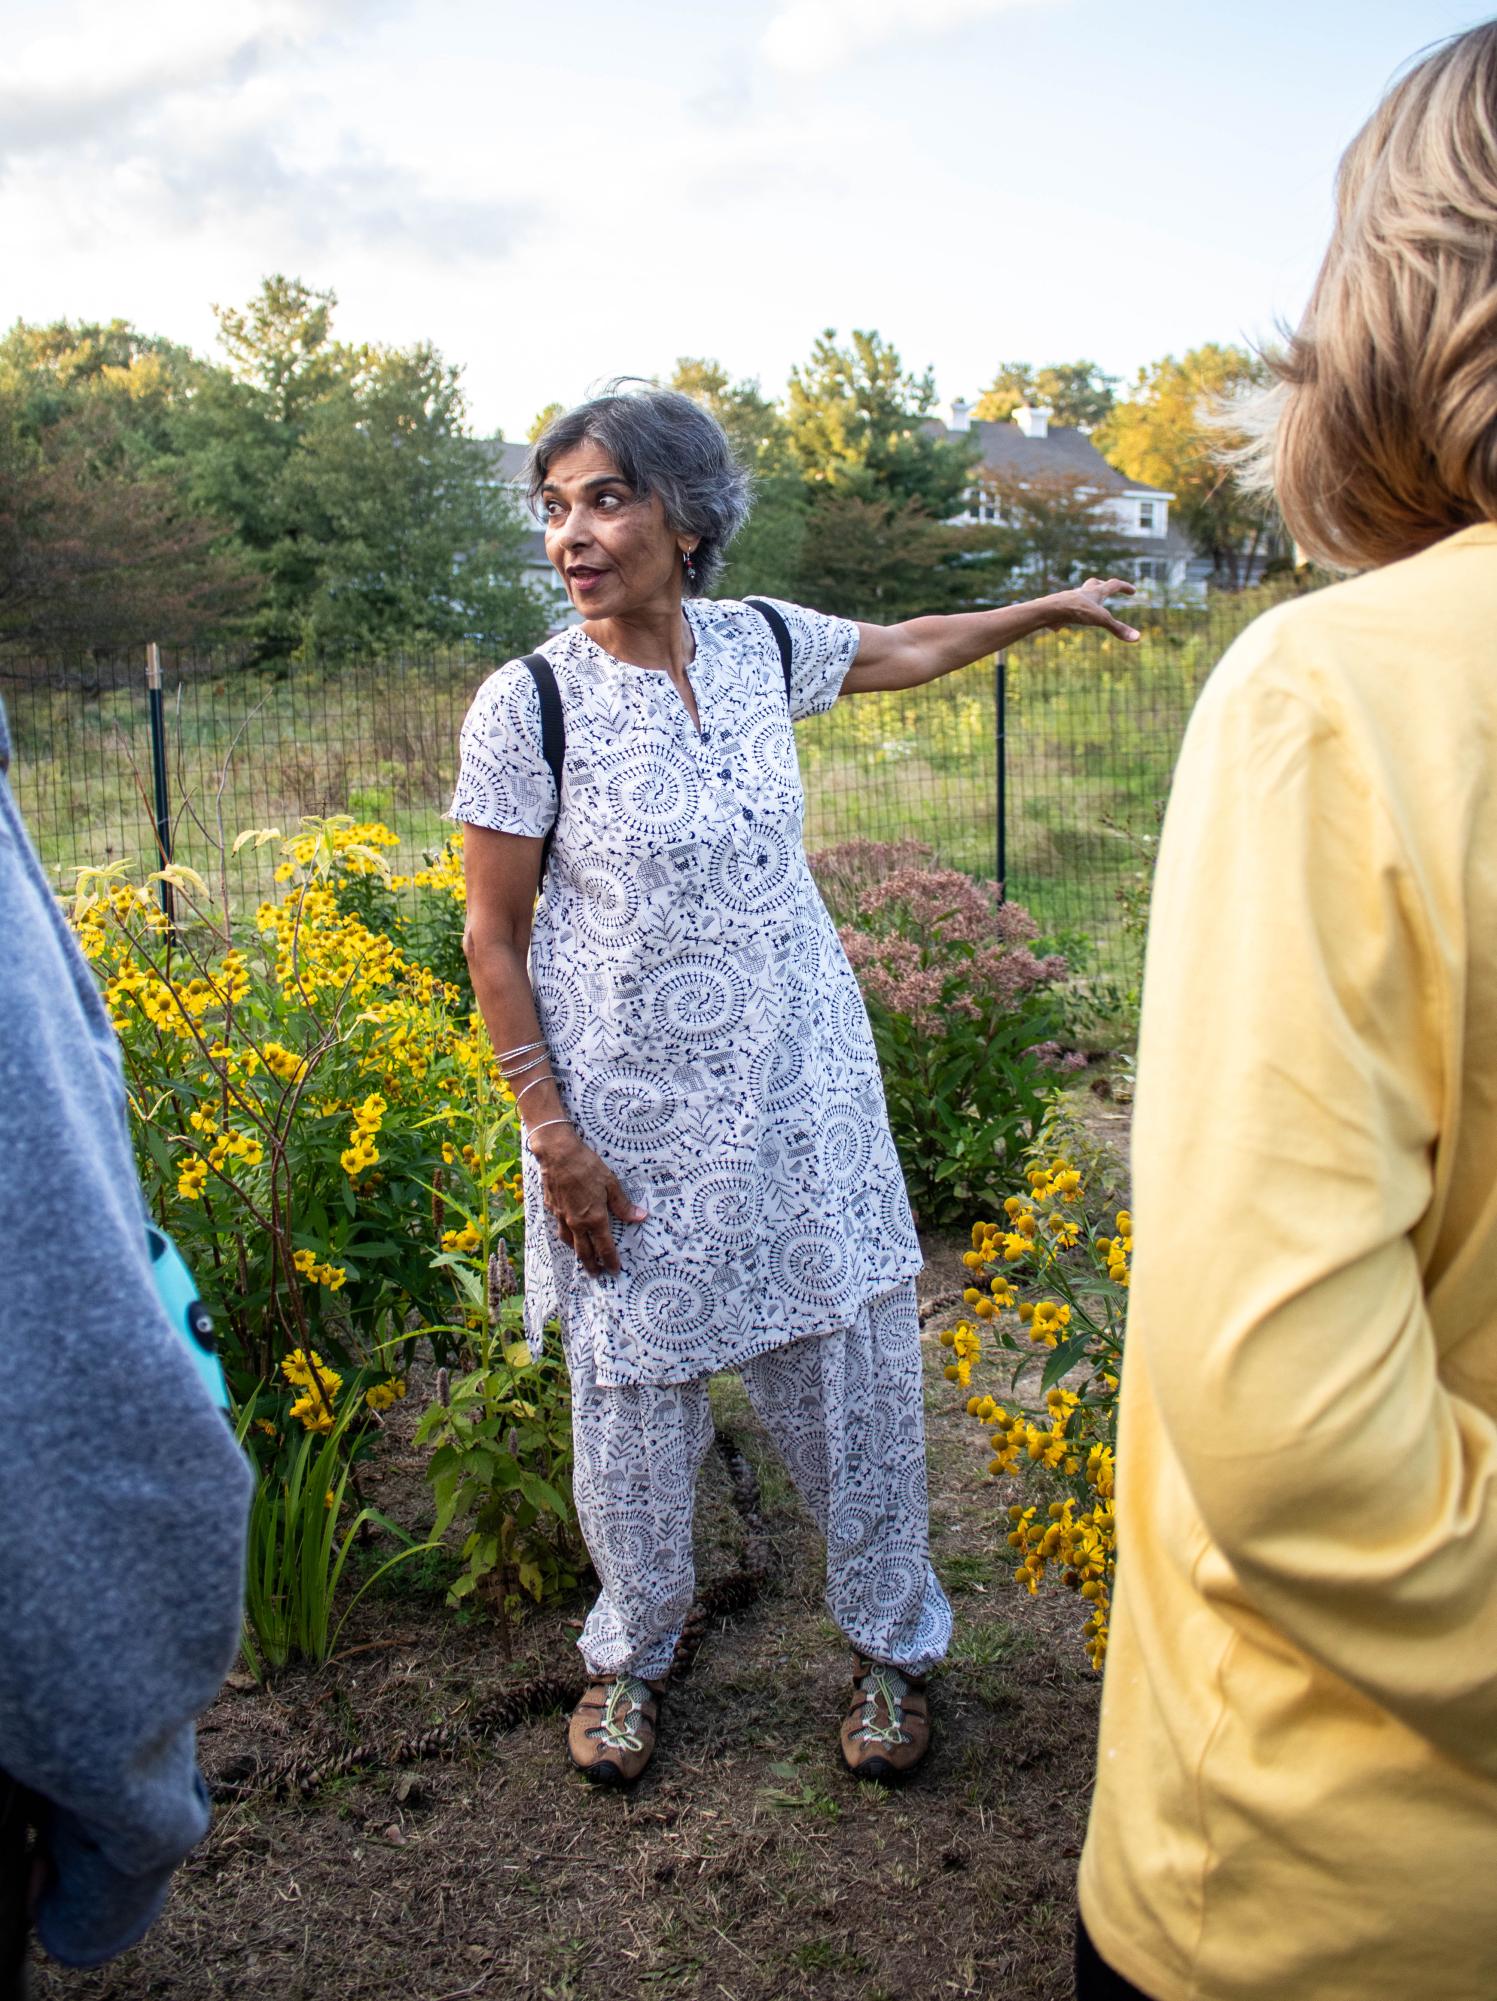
[{"x": 1033, "y": 448}]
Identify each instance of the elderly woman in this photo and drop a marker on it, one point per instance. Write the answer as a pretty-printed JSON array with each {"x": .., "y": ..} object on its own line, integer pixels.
[
  {"x": 1297, "y": 1789},
  {"x": 710, "y": 1179}
]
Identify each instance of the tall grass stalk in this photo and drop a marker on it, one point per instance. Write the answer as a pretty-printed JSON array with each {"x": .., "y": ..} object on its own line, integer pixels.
[{"x": 296, "y": 1554}]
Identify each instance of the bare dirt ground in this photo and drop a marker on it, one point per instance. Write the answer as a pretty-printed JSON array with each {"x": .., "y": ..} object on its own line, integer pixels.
[{"x": 744, "y": 1865}]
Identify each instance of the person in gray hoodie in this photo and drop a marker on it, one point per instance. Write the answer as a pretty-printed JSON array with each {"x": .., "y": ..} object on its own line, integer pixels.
[{"x": 122, "y": 1492}]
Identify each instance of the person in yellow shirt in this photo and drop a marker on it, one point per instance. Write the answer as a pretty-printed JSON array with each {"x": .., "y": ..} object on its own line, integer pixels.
[{"x": 1297, "y": 1780}]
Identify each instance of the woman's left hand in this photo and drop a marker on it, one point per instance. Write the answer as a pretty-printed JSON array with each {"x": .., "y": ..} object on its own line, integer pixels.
[{"x": 1087, "y": 606}]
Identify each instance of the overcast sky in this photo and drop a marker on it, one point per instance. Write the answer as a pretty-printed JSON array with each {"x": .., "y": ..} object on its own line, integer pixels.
[{"x": 556, "y": 193}]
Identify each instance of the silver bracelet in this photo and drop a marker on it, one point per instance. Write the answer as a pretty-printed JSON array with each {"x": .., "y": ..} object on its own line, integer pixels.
[
  {"x": 546, "y": 1079},
  {"x": 520, "y": 1049},
  {"x": 522, "y": 1069},
  {"x": 531, "y": 1131}
]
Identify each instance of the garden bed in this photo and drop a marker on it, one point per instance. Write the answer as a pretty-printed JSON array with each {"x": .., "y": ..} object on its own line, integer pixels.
[{"x": 744, "y": 1864}]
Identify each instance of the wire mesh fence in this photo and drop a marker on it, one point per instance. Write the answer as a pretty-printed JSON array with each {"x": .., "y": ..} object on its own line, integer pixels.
[{"x": 1046, "y": 770}]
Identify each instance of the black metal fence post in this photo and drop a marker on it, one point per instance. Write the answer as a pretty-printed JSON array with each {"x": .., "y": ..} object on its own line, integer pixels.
[
  {"x": 1000, "y": 704},
  {"x": 158, "y": 775}
]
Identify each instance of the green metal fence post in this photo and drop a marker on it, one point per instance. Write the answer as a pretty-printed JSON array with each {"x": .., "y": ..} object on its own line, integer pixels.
[
  {"x": 158, "y": 774},
  {"x": 1000, "y": 703}
]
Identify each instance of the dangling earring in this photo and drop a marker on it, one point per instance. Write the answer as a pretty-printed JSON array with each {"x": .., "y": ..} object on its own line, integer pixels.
[{"x": 691, "y": 568}]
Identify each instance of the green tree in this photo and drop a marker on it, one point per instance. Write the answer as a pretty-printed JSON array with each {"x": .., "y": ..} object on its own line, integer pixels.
[
  {"x": 541, "y": 419},
  {"x": 128, "y": 383},
  {"x": 875, "y": 560},
  {"x": 388, "y": 499},
  {"x": 103, "y": 544},
  {"x": 281, "y": 344},
  {"x": 1164, "y": 434},
  {"x": 857, "y": 420},
  {"x": 766, "y": 557},
  {"x": 1056, "y": 532},
  {"x": 881, "y": 484},
  {"x": 98, "y": 561},
  {"x": 1078, "y": 392},
  {"x": 351, "y": 479}
]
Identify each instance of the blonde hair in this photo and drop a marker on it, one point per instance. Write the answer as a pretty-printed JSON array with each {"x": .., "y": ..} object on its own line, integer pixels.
[{"x": 1381, "y": 434}]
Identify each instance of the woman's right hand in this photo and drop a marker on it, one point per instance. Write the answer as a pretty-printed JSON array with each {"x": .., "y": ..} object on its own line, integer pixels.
[{"x": 583, "y": 1193}]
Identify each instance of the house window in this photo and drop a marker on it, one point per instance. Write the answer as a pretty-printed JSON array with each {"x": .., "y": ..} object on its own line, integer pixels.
[
  {"x": 1146, "y": 517},
  {"x": 1150, "y": 570}
]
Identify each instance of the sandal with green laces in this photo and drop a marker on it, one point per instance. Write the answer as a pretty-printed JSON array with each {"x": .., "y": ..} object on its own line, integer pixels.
[
  {"x": 886, "y": 1732},
  {"x": 611, "y": 1737}
]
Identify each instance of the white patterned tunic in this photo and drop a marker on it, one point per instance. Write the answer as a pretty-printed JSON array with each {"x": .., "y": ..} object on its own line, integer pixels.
[{"x": 706, "y": 1032}]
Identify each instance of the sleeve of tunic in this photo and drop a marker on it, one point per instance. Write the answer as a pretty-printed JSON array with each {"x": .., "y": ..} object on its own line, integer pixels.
[
  {"x": 503, "y": 779},
  {"x": 821, "y": 651}
]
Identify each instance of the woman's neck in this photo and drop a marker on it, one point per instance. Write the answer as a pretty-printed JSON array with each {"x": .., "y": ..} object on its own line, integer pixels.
[{"x": 656, "y": 635}]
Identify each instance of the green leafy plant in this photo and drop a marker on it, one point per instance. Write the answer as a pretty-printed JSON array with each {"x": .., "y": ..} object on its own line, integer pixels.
[
  {"x": 501, "y": 1459},
  {"x": 1135, "y": 892},
  {"x": 500, "y": 1429},
  {"x": 963, "y": 1016},
  {"x": 300, "y": 1531},
  {"x": 1050, "y": 1284},
  {"x": 294, "y": 1084}
]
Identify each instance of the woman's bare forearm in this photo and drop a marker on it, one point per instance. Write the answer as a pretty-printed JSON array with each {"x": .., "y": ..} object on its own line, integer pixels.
[
  {"x": 919, "y": 650},
  {"x": 581, "y": 1190},
  {"x": 501, "y": 986},
  {"x": 944, "y": 643}
]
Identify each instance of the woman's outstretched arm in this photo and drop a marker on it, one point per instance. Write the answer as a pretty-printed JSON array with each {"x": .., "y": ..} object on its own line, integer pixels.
[{"x": 923, "y": 649}]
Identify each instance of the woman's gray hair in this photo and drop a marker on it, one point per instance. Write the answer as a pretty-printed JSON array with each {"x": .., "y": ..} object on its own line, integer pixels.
[{"x": 665, "y": 444}]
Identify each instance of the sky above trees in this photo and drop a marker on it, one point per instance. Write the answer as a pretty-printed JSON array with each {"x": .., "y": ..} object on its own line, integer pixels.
[{"x": 552, "y": 198}]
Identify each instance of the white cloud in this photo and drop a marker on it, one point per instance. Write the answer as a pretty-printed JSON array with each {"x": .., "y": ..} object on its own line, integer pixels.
[
  {"x": 108, "y": 69},
  {"x": 184, "y": 121},
  {"x": 810, "y": 36}
]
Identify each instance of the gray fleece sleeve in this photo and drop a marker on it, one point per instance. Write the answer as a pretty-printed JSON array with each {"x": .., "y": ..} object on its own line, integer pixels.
[{"x": 123, "y": 1494}]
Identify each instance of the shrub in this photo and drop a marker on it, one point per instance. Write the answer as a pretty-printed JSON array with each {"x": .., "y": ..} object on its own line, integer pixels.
[
  {"x": 1050, "y": 1282},
  {"x": 320, "y": 1123},
  {"x": 301, "y": 1091},
  {"x": 502, "y": 1460},
  {"x": 424, "y": 911},
  {"x": 501, "y": 1430},
  {"x": 962, "y": 1013}
]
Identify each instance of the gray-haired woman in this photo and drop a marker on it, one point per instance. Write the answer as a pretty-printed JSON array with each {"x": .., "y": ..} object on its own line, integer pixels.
[{"x": 710, "y": 1179}]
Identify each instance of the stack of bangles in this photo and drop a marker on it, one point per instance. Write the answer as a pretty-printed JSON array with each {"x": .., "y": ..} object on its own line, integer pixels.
[{"x": 518, "y": 1062}]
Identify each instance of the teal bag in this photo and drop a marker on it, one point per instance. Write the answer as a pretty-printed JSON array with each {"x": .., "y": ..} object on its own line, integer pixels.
[{"x": 177, "y": 1290}]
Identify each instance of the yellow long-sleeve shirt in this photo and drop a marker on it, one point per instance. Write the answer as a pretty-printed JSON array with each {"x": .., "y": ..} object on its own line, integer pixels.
[{"x": 1297, "y": 1782}]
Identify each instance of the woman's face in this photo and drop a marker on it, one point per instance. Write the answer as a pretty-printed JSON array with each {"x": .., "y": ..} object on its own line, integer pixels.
[{"x": 612, "y": 546}]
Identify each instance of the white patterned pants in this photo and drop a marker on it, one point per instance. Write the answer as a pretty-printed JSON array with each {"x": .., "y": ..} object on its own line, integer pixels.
[{"x": 846, "y": 1411}]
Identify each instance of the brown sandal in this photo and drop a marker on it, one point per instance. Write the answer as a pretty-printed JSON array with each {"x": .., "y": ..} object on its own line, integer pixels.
[
  {"x": 886, "y": 1732},
  {"x": 611, "y": 1736}
]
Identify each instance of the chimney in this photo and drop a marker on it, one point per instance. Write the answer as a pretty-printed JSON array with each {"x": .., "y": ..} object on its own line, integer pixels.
[
  {"x": 1033, "y": 423},
  {"x": 961, "y": 415}
]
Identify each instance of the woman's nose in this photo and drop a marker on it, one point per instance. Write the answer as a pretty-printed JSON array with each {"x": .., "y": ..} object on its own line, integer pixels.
[{"x": 574, "y": 531}]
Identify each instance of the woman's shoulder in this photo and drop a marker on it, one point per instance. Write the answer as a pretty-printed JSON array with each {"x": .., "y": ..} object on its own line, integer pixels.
[
  {"x": 730, "y": 613},
  {"x": 747, "y": 610},
  {"x": 1352, "y": 645},
  {"x": 763, "y": 622},
  {"x": 512, "y": 680}
]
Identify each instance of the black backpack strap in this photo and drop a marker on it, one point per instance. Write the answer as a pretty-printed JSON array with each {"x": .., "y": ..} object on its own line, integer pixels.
[
  {"x": 781, "y": 633},
  {"x": 553, "y": 735}
]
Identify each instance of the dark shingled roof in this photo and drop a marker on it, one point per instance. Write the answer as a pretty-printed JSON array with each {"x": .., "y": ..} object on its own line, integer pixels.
[
  {"x": 507, "y": 460},
  {"x": 1004, "y": 451}
]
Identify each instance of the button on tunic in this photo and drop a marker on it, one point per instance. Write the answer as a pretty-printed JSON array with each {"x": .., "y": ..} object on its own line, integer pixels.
[{"x": 707, "y": 1034}]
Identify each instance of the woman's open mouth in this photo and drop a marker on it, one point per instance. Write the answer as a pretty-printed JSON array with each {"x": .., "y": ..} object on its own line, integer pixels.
[{"x": 582, "y": 577}]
